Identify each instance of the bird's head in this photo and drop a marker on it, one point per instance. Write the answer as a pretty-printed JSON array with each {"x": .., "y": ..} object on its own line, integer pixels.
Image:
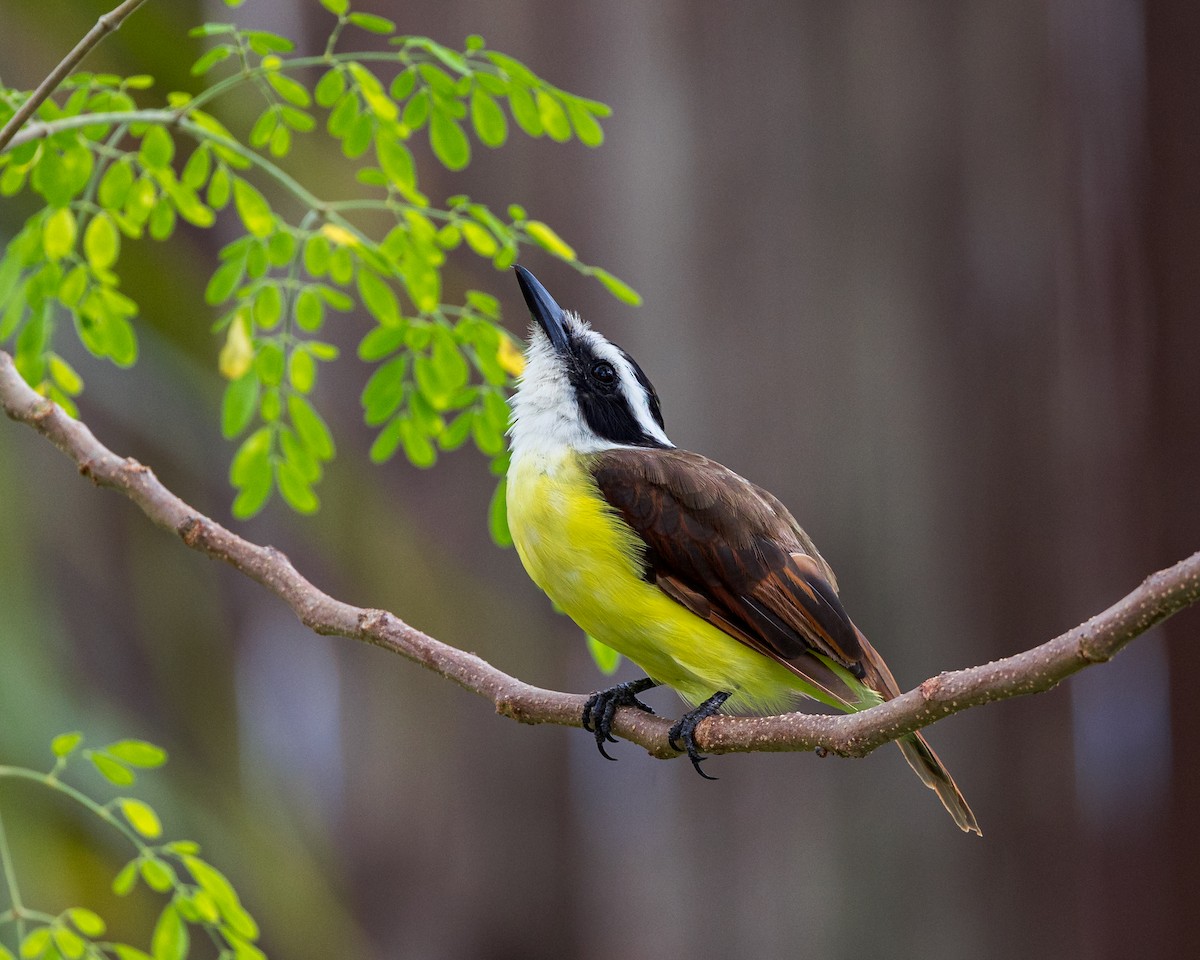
[{"x": 579, "y": 391}]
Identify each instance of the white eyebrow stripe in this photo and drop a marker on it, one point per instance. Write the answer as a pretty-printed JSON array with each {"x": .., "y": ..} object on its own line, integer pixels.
[{"x": 634, "y": 393}]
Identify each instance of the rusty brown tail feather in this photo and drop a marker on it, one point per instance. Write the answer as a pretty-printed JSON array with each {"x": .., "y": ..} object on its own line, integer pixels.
[
  {"x": 928, "y": 767},
  {"x": 916, "y": 748}
]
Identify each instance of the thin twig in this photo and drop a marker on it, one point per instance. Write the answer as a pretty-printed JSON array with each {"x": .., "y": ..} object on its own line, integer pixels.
[
  {"x": 1033, "y": 671},
  {"x": 105, "y": 25}
]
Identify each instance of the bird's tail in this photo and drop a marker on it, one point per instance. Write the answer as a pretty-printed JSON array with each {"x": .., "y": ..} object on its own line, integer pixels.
[
  {"x": 928, "y": 767},
  {"x": 916, "y": 748}
]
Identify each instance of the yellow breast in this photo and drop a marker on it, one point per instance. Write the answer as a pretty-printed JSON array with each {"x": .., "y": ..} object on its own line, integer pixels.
[{"x": 588, "y": 561}]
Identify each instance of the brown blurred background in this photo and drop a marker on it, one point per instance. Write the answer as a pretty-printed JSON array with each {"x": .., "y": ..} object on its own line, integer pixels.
[{"x": 928, "y": 271}]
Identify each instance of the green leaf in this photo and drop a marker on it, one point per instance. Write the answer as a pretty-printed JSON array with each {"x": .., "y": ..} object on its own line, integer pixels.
[
  {"x": 403, "y": 83},
  {"x": 336, "y": 7},
  {"x": 219, "y": 188},
  {"x": 36, "y": 943},
  {"x": 65, "y": 743},
  {"x": 213, "y": 882},
  {"x": 310, "y": 310},
  {"x": 607, "y": 659},
  {"x": 58, "y": 233},
  {"x": 101, "y": 242},
  {"x": 586, "y": 126},
  {"x": 343, "y": 116},
  {"x": 295, "y": 489},
  {"x": 170, "y": 939},
  {"x": 126, "y": 952},
  {"x": 224, "y": 281},
  {"x": 250, "y": 471},
  {"x": 111, "y": 770},
  {"x": 378, "y": 297},
  {"x": 263, "y": 42},
  {"x": 498, "y": 516},
  {"x": 554, "y": 119},
  {"x": 381, "y": 342},
  {"x": 64, "y": 375},
  {"x": 269, "y": 363},
  {"x": 210, "y": 59},
  {"x": 489, "y": 121},
  {"x": 158, "y": 874},
  {"x": 416, "y": 111},
  {"x": 384, "y": 392},
  {"x": 189, "y": 205},
  {"x": 124, "y": 882},
  {"x": 618, "y": 288},
  {"x": 253, "y": 208},
  {"x": 387, "y": 443},
  {"x": 457, "y": 431},
  {"x": 547, "y": 239},
  {"x": 238, "y": 405},
  {"x": 417, "y": 446},
  {"x": 140, "y": 200},
  {"x": 396, "y": 161},
  {"x": 372, "y": 92},
  {"x": 341, "y": 265},
  {"x": 281, "y": 247},
  {"x": 330, "y": 87},
  {"x": 88, "y": 922},
  {"x": 291, "y": 90},
  {"x": 451, "y": 58},
  {"x": 450, "y": 145},
  {"x": 311, "y": 428},
  {"x": 141, "y": 817},
  {"x": 162, "y": 219},
  {"x": 138, "y": 753},
  {"x": 479, "y": 239},
  {"x": 267, "y": 309},
  {"x": 336, "y": 299},
  {"x": 296, "y": 453},
  {"x": 525, "y": 111},
  {"x": 157, "y": 148},
  {"x": 372, "y": 23},
  {"x": 115, "y": 184},
  {"x": 439, "y": 81},
  {"x": 302, "y": 371},
  {"x": 317, "y": 254},
  {"x": 69, "y": 943}
]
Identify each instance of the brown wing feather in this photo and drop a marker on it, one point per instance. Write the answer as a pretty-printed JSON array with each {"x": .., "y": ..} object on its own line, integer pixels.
[{"x": 732, "y": 554}]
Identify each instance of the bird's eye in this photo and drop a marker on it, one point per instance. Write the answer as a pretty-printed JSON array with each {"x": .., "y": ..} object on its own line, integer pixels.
[{"x": 603, "y": 372}]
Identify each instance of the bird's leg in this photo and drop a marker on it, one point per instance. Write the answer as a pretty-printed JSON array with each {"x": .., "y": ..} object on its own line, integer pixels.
[
  {"x": 684, "y": 730},
  {"x": 601, "y": 708}
]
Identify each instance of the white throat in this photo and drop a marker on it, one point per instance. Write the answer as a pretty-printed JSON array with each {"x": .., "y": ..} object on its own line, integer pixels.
[{"x": 547, "y": 421}]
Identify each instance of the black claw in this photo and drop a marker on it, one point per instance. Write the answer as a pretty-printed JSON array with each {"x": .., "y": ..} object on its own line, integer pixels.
[
  {"x": 601, "y": 709},
  {"x": 682, "y": 735}
]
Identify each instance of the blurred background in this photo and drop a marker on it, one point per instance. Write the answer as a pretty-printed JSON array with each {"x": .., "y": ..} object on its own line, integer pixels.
[{"x": 927, "y": 271}]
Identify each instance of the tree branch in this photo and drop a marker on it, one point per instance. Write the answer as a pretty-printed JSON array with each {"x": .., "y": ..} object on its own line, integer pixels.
[
  {"x": 106, "y": 24},
  {"x": 855, "y": 735}
]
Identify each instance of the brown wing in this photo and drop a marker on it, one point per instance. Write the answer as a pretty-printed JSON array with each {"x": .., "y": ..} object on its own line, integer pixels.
[{"x": 732, "y": 554}]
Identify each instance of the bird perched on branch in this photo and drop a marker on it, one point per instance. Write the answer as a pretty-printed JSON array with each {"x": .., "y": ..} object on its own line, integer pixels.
[{"x": 698, "y": 576}]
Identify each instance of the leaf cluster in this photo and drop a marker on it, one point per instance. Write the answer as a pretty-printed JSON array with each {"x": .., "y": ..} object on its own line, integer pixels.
[
  {"x": 110, "y": 170},
  {"x": 199, "y": 902}
]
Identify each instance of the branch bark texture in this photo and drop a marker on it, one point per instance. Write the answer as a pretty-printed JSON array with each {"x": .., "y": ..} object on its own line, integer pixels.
[
  {"x": 105, "y": 25},
  {"x": 1033, "y": 671}
]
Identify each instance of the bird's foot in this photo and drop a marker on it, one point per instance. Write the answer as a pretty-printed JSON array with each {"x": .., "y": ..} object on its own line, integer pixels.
[
  {"x": 682, "y": 736},
  {"x": 602, "y": 706}
]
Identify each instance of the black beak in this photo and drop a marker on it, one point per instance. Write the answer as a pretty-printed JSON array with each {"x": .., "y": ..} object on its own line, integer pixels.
[{"x": 542, "y": 308}]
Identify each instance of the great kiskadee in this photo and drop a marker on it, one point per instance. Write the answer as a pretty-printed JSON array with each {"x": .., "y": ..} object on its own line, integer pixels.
[{"x": 698, "y": 576}]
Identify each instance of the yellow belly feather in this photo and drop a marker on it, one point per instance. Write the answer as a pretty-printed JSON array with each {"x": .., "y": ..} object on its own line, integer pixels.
[{"x": 587, "y": 560}]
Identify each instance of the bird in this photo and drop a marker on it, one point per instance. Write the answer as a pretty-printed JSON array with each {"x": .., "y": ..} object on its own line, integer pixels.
[{"x": 701, "y": 578}]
